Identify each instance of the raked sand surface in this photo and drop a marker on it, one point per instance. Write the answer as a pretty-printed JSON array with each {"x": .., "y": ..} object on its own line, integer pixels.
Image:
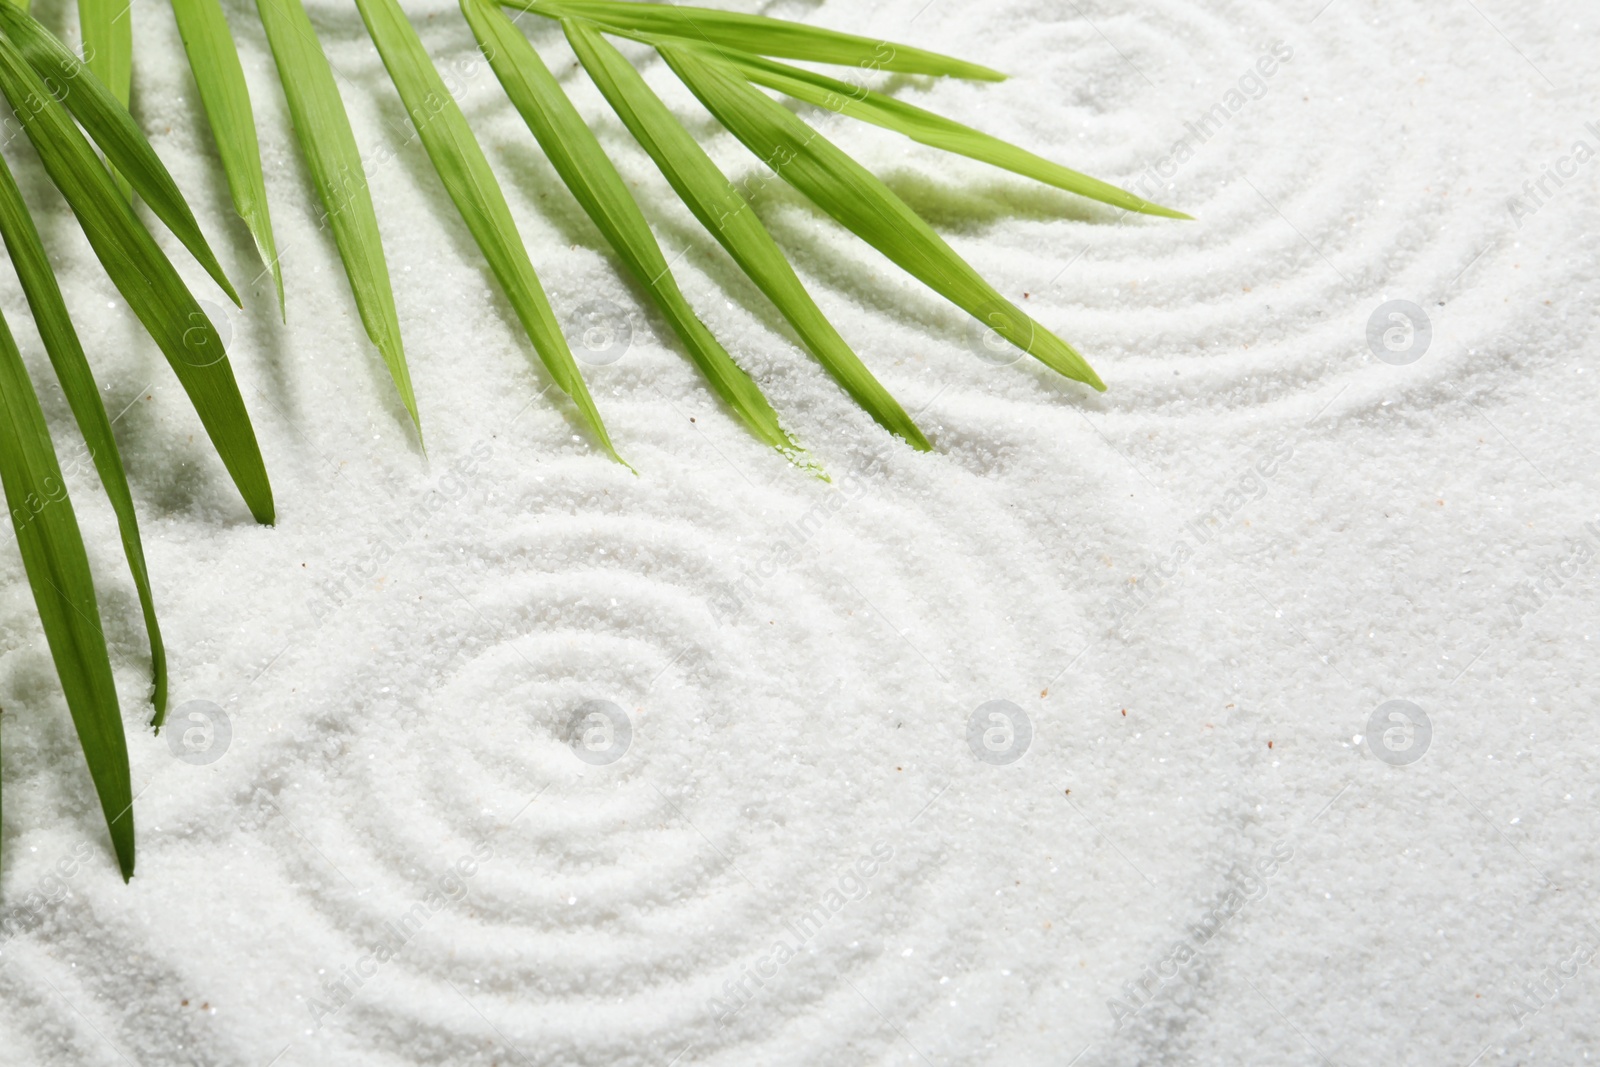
[{"x": 1190, "y": 845}]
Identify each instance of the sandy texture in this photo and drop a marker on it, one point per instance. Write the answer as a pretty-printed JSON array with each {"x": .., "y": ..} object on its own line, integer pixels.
[{"x": 1197, "y": 589}]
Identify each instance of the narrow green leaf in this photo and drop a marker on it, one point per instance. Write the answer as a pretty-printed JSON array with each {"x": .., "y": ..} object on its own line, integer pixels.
[
  {"x": 594, "y": 181},
  {"x": 63, "y": 590},
  {"x": 144, "y": 276},
  {"x": 214, "y": 61},
  {"x": 106, "y": 120},
  {"x": 107, "y": 28},
  {"x": 83, "y": 396},
  {"x": 461, "y": 165},
  {"x": 863, "y": 204},
  {"x": 725, "y": 214},
  {"x": 759, "y": 35},
  {"x": 323, "y": 129},
  {"x": 931, "y": 129}
]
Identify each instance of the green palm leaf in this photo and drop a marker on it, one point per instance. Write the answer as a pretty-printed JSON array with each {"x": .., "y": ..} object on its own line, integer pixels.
[
  {"x": 323, "y": 129},
  {"x": 727, "y": 59},
  {"x": 931, "y": 129},
  {"x": 863, "y": 204},
  {"x": 218, "y": 75},
  {"x": 83, "y": 396},
  {"x": 726, "y": 216},
  {"x": 759, "y": 35},
  {"x": 107, "y": 27},
  {"x": 144, "y": 276},
  {"x": 466, "y": 175},
  {"x": 105, "y": 118},
  {"x": 594, "y": 181},
  {"x": 63, "y": 590}
]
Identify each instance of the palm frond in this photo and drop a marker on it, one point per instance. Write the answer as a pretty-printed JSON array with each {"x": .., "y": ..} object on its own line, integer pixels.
[
  {"x": 863, "y": 204},
  {"x": 587, "y": 171},
  {"x": 83, "y": 396},
  {"x": 219, "y": 76},
  {"x": 329, "y": 145},
  {"x": 107, "y": 27},
  {"x": 144, "y": 276},
  {"x": 470, "y": 182},
  {"x": 936, "y": 131},
  {"x": 729, "y": 61},
  {"x": 106, "y": 120},
  {"x": 42, "y": 514},
  {"x": 758, "y": 34},
  {"x": 727, "y": 216},
  {"x": 63, "y": 591}
]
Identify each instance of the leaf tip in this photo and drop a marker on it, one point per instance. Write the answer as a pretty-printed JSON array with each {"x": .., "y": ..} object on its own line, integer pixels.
[
  {"x": 410, "y": 401},
  {"x": 801, "y": 459},
  {"x": 215, "y": 270},
  {"x": 122, "y": 844}
]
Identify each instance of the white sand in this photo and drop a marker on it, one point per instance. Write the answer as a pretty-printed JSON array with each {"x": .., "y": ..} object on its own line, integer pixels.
[{"x": 1370, "y": 525}]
